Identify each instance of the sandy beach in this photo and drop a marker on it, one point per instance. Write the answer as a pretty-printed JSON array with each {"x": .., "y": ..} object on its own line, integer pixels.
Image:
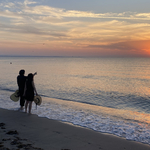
[{"x": 20, "y": 131}]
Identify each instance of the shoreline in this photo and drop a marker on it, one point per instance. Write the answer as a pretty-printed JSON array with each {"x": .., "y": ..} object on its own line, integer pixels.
[{"x": 46, "y": 134}]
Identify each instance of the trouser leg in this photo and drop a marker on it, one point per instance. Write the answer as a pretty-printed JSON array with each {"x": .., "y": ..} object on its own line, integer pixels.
[{"x": 22, "y": 101}]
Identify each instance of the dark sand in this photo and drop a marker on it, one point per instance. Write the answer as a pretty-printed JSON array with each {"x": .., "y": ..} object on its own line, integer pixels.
[{"x": 21, "y": 131}]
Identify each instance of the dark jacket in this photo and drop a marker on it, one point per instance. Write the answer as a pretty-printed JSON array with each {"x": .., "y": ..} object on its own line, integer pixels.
[{"x": 21, "y": 79}]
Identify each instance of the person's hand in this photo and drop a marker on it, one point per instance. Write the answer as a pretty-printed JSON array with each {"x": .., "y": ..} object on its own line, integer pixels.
[{"x": 35, "y": 73}]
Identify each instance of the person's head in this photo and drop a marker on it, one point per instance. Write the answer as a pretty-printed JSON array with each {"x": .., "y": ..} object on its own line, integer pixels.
[
  {"x": 30, "y": 77},
  {"x": 22, "y": 72}
]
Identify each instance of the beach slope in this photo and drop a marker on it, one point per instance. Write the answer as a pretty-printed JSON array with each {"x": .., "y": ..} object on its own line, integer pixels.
[{"x": 21, "y": 130}]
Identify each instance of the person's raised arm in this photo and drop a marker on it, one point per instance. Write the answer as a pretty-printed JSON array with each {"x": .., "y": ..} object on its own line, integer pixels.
[{"x": 35, "y": 74}]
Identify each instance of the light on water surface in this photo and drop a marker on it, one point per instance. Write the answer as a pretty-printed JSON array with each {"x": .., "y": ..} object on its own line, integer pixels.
[{"x": 104, "y": 94}]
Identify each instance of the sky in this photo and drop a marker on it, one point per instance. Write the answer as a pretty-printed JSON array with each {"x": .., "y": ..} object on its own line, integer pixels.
[{"x": 105, "y": 28}]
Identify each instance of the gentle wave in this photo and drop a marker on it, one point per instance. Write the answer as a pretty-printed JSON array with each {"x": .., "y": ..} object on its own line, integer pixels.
[
  {"x": 104, "y": 94},
  {"x": 123, "y": 123},
  {"x": 101, "y": 98}
]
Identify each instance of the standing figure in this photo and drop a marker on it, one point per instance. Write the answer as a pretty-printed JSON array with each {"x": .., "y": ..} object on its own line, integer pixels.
[
  {"x": 29, "y": 92},
  {"x": 21, "y": 79}
]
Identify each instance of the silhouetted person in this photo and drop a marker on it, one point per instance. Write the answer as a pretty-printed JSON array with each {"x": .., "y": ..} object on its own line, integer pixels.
[
  {"x": 21, "y": 79},
  {"x": 29, "y": 92}
]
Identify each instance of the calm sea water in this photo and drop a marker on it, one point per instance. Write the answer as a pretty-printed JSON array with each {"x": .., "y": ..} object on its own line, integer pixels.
[{"x": 109, "y": 95}]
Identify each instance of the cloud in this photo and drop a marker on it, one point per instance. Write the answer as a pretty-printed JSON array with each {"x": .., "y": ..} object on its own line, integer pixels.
[
  {"x": 129, "y": 47},
  {"x": 9, "y": 5},
  {"x": 9, "y": 14},
  {"x": 119, "y": 46},
  {"x": 28, "y": 21},
  {"x": 30, "y": 30},
  {"x": 27, "y": 2},
  {"x": 27, "y": 9},
  {"x": 61, "y": 13}
]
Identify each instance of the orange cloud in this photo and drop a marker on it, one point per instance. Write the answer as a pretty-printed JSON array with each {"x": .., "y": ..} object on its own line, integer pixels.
[
  {"x": 128, "y": 48},
  {"x": 25, "y": 27}
]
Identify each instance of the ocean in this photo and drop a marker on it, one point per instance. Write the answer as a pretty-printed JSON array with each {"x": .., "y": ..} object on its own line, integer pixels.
[{"x": 109, "y": 95}]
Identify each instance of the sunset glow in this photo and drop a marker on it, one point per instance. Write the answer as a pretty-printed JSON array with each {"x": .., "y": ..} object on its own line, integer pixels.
[{"x": 48, "y": 28}]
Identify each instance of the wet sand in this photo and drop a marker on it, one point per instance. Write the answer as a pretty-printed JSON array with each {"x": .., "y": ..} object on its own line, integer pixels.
[{"x": 21, "y": 131}]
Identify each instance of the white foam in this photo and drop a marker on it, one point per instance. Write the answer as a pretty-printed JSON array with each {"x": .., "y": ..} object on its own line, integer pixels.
[{"x": 93, "y": 117}]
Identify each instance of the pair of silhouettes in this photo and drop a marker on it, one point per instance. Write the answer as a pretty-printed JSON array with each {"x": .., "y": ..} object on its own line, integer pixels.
[{"x": 26, "y": 90}]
